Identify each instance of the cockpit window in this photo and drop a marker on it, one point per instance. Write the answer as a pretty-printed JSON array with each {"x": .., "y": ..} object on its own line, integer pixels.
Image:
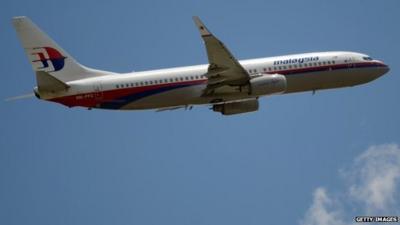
[{"x": 367, "y": 58}]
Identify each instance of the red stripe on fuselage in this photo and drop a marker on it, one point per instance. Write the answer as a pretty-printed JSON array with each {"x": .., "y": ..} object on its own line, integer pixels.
[
  {"x": 92, "y": 99},
  {"x": 318, "y": 68}
]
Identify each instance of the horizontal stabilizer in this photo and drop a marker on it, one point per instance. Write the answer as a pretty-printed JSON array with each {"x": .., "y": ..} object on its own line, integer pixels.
[{"x": 30, "y": 95}]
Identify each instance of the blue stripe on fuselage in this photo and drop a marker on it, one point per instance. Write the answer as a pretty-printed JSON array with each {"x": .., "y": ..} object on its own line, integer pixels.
[{"x": 120, "y": 102}]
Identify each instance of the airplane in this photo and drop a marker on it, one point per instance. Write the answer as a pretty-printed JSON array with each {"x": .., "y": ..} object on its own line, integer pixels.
[{"x": 226, "y": 84}]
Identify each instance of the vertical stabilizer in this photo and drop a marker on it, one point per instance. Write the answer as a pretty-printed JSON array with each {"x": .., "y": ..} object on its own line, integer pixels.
[{"x": 47, "y": 56}]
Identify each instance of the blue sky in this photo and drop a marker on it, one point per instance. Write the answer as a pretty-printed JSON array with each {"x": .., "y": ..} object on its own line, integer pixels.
[{"x": 74, "y": 166}]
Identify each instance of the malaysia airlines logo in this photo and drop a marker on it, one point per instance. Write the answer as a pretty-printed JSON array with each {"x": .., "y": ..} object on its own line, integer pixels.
[{"x": 46, "y": 55}]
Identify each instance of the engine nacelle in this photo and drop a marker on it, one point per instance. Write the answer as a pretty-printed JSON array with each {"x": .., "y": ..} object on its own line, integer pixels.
[
  {"x": 268, "y": 84},
  {"x": 237, "y": 107}
]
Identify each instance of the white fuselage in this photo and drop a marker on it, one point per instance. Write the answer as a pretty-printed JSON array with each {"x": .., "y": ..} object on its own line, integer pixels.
[{"x": 184, "y": 86}]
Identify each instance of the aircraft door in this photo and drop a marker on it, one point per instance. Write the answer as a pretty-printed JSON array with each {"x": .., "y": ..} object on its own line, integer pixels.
[
  {"x": 350, "y": 62},
  {"x": 98, "y": 92}
]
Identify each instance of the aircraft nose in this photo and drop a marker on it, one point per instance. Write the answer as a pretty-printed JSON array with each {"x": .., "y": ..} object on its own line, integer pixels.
[{"x": 384, "y": 68}]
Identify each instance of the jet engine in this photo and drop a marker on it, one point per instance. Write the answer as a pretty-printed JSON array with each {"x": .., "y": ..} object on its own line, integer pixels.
[
  {"x": 237, "y": 107},
  {"x": 267, "y": 84}
]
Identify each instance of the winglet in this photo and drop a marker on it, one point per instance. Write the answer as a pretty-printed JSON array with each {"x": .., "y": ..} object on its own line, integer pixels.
[{"x": 202, "y": 28}]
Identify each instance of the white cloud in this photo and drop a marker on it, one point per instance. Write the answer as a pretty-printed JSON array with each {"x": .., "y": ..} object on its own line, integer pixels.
[
  {"x": 373, "y": 185},
  {"x": 321, "y": 211},
  {"x": 376, "y": 174}
]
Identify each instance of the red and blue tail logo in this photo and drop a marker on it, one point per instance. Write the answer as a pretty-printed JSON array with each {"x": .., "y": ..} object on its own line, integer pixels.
[{"x": 52, "y": 55}]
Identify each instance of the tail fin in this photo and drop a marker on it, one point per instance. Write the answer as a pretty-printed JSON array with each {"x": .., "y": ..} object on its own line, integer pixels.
[{"x": 47, "y": 57}]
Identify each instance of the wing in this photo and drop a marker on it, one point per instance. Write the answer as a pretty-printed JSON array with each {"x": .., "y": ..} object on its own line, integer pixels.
[{"x": 223, "y": 67}]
